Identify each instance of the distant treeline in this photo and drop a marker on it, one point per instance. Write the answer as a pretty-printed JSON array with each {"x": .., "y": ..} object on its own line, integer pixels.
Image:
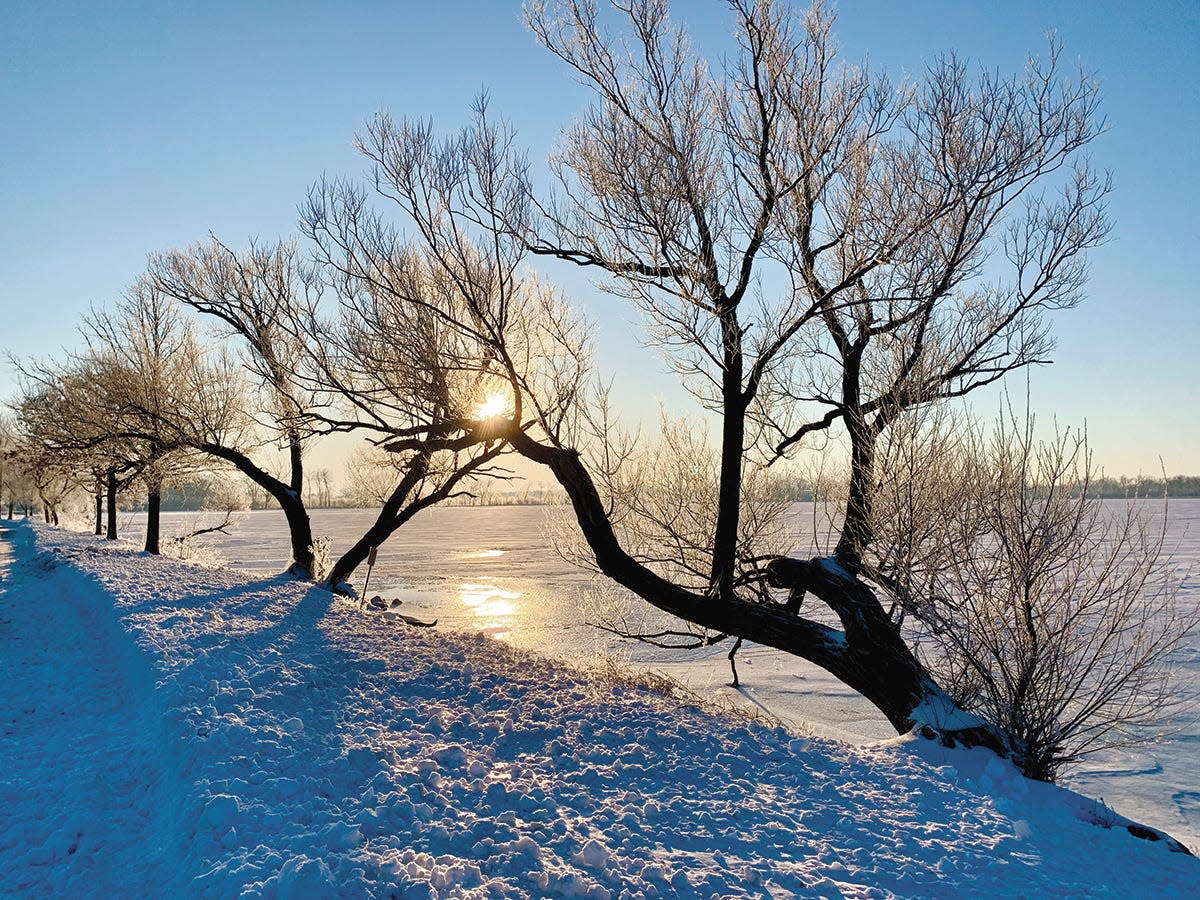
[
  {"x": 208, "y": 494},
  {"x": 191, "y": 495},
  {"x": 216, "y": 494},
  {"x": 1175, "y": 486}
]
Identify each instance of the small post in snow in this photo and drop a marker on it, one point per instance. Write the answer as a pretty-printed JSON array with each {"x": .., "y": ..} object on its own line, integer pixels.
[{"x": 371, "y": 555}]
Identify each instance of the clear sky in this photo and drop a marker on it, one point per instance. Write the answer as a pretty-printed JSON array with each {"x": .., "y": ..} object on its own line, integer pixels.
[{"x": 130, "y": 127}]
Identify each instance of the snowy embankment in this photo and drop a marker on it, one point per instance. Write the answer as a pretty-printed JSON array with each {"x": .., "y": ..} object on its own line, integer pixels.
[{"x": 173, "y": 731}]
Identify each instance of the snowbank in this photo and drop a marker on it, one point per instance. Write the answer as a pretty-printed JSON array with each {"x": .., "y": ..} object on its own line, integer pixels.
[{"x": 172, "y": 731}]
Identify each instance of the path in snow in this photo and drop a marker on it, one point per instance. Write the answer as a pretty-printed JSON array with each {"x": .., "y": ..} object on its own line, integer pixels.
[{"x": 78, "y": 750}]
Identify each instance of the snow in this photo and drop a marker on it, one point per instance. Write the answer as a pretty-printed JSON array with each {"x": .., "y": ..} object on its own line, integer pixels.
[
  {"x": 941, "y": 713},
  {"x": 176, "y": 731},
  {"x": 835, "y": 568}
]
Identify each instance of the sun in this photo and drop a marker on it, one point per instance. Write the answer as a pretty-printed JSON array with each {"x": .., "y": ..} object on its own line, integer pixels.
[{"x": 494, "y": 405}]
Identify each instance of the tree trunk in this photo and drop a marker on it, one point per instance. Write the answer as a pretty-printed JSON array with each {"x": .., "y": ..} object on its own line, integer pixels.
[
  {"x": 877, "y": 662},
  {"x": 296, "y": 461},
  {"x": 112, "y": 506},
  {"x": 153, "y": 507},
  {"x": 868, "y": 655},
  {"x": 99, "y": 509},
  {"x": 857, "y": 532},
  {"x": 300, "y": 531},
  {"x": 390, "y": 518},
  {"x": 395, "y": 512},
  {"x": 303, "y": 551},
  {"x": 290, "y": 500},
  {"x": 383, "y": 528},
  {"x": 733, "y": 437}
]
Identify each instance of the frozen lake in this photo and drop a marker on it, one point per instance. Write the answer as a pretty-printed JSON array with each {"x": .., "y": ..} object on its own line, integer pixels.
[{"x": 492, "y": 569}]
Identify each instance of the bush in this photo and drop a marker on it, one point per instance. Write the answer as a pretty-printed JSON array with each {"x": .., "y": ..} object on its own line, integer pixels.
[{"x": 1049, "y": 613}]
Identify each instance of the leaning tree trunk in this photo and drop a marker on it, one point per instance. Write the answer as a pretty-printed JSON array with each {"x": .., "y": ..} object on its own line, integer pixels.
[
  {"x": 289, "y": 498},
  {"x": 153, "y": 517},
  {"x": 392, "y": 515},
  {"x": 876, "y": 660},
  {"x": 398, "y": 509},
  {"x": 868, "y": 654}
]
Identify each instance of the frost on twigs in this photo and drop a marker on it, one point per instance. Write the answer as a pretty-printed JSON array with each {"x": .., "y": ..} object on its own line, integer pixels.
[
  {"x": 319, "y": 552},
  {"x": 1050, "y": 614},
  {"x": 186, "y": 545}
]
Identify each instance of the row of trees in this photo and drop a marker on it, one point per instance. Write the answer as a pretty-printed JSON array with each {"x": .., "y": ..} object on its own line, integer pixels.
[
  {"x": 824, "y": 255},
  {"x": 18, "y": 490}
]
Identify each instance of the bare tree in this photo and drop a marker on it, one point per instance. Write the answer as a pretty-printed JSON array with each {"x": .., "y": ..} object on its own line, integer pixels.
[
  {"x": 255, "y": 296},
  {"x": 663, "y": 499},
  {"x": 224, "y": 494},
  {"x": 16, "y": 481},
  {"x": 21, "y": 491},
  {"x": 370, "y": 474},
  {"x": 439, "y": 337},
  {"x": 9, "y": 465},
  {"x": 141, "y": 360},
  {"x": 819, "y": 251},
  {"x": 67, "y": 423},
  {"x": 321, "y": 494},
  {"x": 55, "y": 481}
]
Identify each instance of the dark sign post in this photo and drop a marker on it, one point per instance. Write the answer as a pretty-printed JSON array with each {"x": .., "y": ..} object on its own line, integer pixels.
[{"x": 371, "y": 555}]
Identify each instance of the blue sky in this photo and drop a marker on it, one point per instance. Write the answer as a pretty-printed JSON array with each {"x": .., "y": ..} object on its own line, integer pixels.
[{"x": 126, "y": 128}]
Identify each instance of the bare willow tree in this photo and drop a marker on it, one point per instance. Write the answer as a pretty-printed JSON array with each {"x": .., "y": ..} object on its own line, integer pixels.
[
  {"x": 819, "y": 251},
  {"x": 371, "y": 474},
  {"x": 439, "y": 336},
  {"x": 25, "y": 469},
  {"x": 662, "y": 497},
  {"x": 17, "y": 483},
  {"x": 54, "y": 479},
  {"x": 39, "y": 432},
  {"x": 8, "y": 460},
  {"x": 141, "y": 359},
  {"x": 103, "y": 417},
  {"x": 251, "y": 403}
]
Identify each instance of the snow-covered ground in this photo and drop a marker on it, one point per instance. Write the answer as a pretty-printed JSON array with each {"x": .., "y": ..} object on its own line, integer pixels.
[
  {"x": 491, "y": 570},
  {"x": 175, "y": 731}
]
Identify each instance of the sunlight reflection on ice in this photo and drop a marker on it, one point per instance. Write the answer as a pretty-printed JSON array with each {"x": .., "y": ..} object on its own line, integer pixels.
[
  {"x": 490, "y": 553},
  {"x": 490, "y": 602}
]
